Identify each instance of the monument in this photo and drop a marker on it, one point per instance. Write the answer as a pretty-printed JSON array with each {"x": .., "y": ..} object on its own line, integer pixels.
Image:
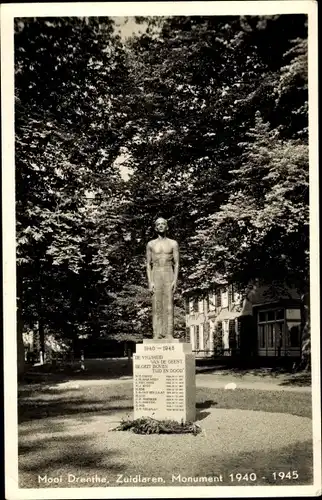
[{"x": 163, "y": 367}]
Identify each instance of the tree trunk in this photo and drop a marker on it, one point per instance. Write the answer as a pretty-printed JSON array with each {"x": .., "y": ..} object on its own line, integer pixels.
[
  {"x": 41, "y": 337},
  {"x": 41, "y": 329},
  {"x": 21, "y": 365},
  {"x": 305, "y": 332}
]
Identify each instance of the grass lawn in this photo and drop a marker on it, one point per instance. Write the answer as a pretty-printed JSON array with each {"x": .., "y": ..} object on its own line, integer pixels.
[{"x": 68, "y": 431}]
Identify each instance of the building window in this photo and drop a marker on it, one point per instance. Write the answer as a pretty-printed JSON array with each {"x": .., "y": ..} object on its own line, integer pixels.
[
  {"x": 230, "y": 295},
  {"x": 236, "y": 296},
  {"x": 200, "y": 306},
  {"x": 195, "y": 306},
  {"x": 293, "y": 334},
  {"x": 279, "y": 328},
  {"x": 190, "y": 306},
  {"x": 270, "y": 331},
  {"x": 232, "y": 334},
  {"x": 238, "y": 329},
  {"x": 218, "y": 331},
  {"x": 262, "y": 316},
  {"x": 270, "y": 334},
  {"x": 224, "y": 298},
  {"x": 280, "y": 314},
  {"x": 270, "y": 315},
  {"x": 261, "y": 332},
  {"x": 277, "y": 334},
  {"x": 211, "y": 334}
]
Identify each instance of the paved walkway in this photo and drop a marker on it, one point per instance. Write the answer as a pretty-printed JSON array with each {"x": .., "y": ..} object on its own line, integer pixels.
[
  {"x": 246, "y": 382},
  {"x": 231, "y": 441},
  {"x": 213, "y": 381}
]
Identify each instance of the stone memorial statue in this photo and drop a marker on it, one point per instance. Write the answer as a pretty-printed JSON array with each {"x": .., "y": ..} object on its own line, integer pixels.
[
  {"x": 162, "y": 255},
  {"x": 164, "y": 385}
]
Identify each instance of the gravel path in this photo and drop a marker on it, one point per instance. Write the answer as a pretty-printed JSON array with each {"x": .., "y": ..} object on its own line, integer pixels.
[
  {"x": 267, "y": 384},
  {"x": 231, "y": 441},
  {"x": 222, "y": 427},
  {"x": 217, "y": 381}
]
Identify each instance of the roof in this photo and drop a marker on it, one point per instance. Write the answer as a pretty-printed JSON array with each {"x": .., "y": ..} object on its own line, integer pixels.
[
  {"x": 269, "y": 294},
  {"x": 225, "y": 314}
]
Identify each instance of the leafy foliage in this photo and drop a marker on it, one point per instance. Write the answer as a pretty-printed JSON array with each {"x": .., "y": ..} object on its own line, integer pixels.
[
  {"x": 67, "y": 138},
  {"x": 263, "y": 228},
  {"x": 200, "y": 84}
]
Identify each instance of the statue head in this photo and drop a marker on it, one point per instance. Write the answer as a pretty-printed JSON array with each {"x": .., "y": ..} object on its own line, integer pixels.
[{"x": 161, "y": 225}]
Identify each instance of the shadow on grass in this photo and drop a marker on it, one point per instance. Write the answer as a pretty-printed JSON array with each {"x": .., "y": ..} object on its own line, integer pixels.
[
  {"x": 112, "y": 369},
  {"x": 298, "y": 380},
  {"x": 293, "y": 403},
  {"x": 85, "y": 402},
  {"x": 98, "y": 369},
  {"x": 79, "y": 409},
  {"x": 283, "y": 376},
  {"x": 241, "y": 371},
  {"x": 65, "y": 454},
  {"x": 80, "y": 403},
  {"x": 207, "y": 403},
  {"x": 204, "y": 405},
  {"x": 297, "y": 457}
]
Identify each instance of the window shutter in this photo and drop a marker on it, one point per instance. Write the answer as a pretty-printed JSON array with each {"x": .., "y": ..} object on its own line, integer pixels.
[
  {"x": 218, "y": 297},
  {"x": 218, "y": 338},
  {"x": 212, "y": 304},
  {"x": 238, "y": 328},
  {"x": 206, "y": 336},
  {"x": 188, "y": 339},
  {"x": 197, "y": 337},
  {"x": 230, "y": 295},
  {"x": 37, "y": 343},
  {"x": 232, "y": 334}
]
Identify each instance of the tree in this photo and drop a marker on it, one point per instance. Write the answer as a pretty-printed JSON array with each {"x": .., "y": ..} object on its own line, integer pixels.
[
  {"x": 262, "y": 231},
  {"x": 70, "y": 79},
  {"x": 200, "y": 81}
]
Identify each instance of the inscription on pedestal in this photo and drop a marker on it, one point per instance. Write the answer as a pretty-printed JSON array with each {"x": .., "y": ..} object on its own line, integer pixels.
[{"x": 162, "y": 376}]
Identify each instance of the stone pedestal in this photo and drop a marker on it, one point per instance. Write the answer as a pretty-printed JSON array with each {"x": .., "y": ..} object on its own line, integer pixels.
[{"x": 164, "y": 378}]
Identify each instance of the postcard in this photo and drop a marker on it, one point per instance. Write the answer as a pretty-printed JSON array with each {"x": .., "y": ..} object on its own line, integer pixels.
[{"x": 161, "y": 249}]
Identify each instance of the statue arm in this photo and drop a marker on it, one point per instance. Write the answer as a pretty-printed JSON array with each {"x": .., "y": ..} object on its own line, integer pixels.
[
  {"x": 148, "y": 266},
  {"x": 176, "y": 264}
]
